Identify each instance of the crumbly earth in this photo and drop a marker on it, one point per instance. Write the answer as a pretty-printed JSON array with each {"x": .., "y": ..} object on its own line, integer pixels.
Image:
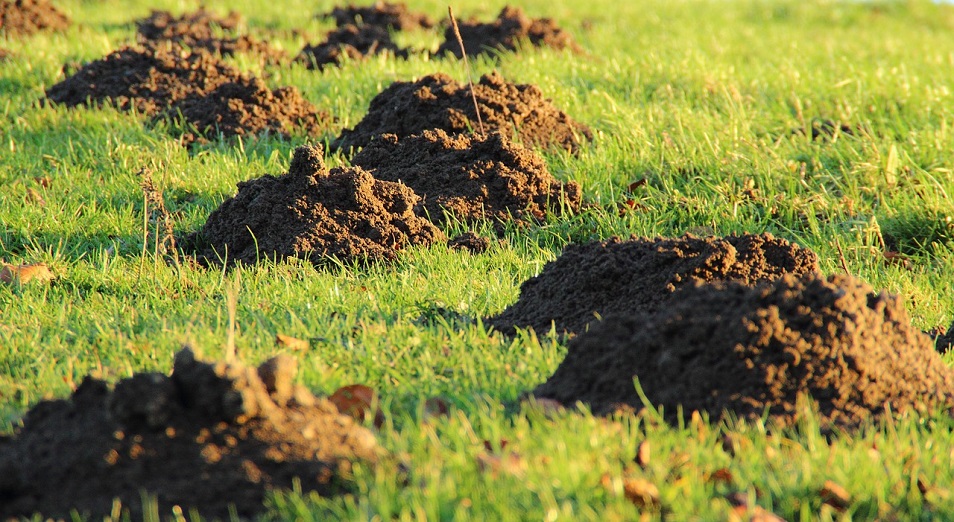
[
  {"x": 640, "y": 275},
  {"x": 350, "y": 42},
  {"x": 747, "y": 350},
  {"x": 511, "y": 28},
  {"x": 246, "y": 106},
  {"x": 945, "y": 342},
  {"x": 26, "y": 17},
  {"x": 438, "y": 101},
  {"x": 198, "y": 29},
  {"x": 470, "y": 242},
  {"x": 312, "y": 213},
  {"x": 471, "y": 177},
  {"x": 164, "y": 80},
  {"x": 148, "y": 79},
  {"x": 386, "y": 15},
  {"x": 211, "y": 435}
]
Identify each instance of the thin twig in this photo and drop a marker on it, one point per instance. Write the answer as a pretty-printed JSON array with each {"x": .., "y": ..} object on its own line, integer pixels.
[
  {"x": 470, "y": 79},
  {"x": 231, "y": 302},
  {"x": 841, "y": 257}
]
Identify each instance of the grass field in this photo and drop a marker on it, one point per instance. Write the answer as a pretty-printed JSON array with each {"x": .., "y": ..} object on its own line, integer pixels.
[{"x": 700, "y": 99}]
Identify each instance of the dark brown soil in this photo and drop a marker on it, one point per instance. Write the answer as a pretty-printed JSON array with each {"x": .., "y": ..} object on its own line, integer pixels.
[
  {"x": 26, "y": 17},
  {"x": 728, "y": 346},
  {"x": 199, "y": 29},
  {"x": 640, "y": 275},
  {"x": 246, "y": 106},
  {"x": 511, "y": 28},
  {"x": 945, "y": 342},
  {"x": 439, "y": 102},
  {"x": 382, "y": 14},
  {"x": 164, "y": 80},
  {"x": 471, "y": 177},
  {"x": 471, "y": 242},
  {"x": 312, "y": 213},
  {"x": 350, "y": 42},
  {"x": 209, "y": 435}
]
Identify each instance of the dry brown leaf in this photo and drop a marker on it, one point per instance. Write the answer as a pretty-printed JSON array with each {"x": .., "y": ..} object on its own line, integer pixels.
[
  {"x": 719, "y": 476},
  {"x": 43, "y": 181},
  {"x": 356, "y": 400},
  {"x": 21, "y": 274},
  {"x": 641, "y": 492},
  {"x": 292, "y": 343},
  {"x": 835, "y": 495},
  {"x": 510, "y": 463},
  {"x": 34, "y": 197}
]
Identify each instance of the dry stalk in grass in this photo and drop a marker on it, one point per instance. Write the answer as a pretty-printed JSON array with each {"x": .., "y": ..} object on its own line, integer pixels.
[
  {"x": 231, "y": 303},
  {"x": 470, "y": 79},
  {"x": 156, "y": 213}
]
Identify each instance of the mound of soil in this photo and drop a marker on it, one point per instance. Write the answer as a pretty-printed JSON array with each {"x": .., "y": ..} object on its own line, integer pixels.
[
  {"x": 198, "y": 30},
  {"x": 640, "y": 276},
  {"x": 246, "y": 106},
  {"x": 511, "y": 28},
  {"x": 26, "y": 17},
  {"x": 350, "y": 42},
  {"x": 148, "y": 79},
  {"x": 746, "y": 350},
  {"x": 209, "y": 435},
  {"x": 312, "y": 213},
  {"x": 439, "y": 102},
  {"x": 164, "y": 80},
  {"x": 382, "y": 14},
  {"x": 471, "y": 177}
]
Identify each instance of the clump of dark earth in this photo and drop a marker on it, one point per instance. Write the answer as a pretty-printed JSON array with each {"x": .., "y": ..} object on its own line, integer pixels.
[
  {"x": 246, "y": 106},
  {"x": 747, "y": 350},
  {"x": 825, "y": 129},
  {"x": 350, "y": 42},
  {"x": 26, "y": 17},
  {"x": 511, "y": 28},
  {"x": 164, "y": 81},
  {"x": 312, "y": 213},
  {"x": 470, "y": 242},
  {"x": 945, "y": 342},
  {"x": 210, "y": 435},
  {"x": 470, "y": 177},
  {"x": 640, "y": 276},
  {"x": 382, "y": 14},
  {"x": 199, "y": 29},
  {"x": 438, "y": 102}
]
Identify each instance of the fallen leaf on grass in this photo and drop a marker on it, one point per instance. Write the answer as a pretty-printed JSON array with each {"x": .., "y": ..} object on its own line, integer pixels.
[
  {"x": 43, "y": 181},
  {"x": 641, "y": 492},
  {"x": 510, "y": 463},
  {"x": 642, "y": 454},
  {"x": 719, "y": 476},
  {"x": 34, "y": 197},
  {"x": 835, "y": 495},
  {"x": 897, "y": 258},
  {"x": 22, "y": 274},
  {"x": 292, "y": 343}
]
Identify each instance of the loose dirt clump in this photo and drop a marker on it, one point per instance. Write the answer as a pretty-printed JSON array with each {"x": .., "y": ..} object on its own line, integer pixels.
[
  {"x": 511, "y": 28},
  {"x": 439, "y": 102},
  {"x": 471, "y": 242},
  {"x": 312, "y": 213},
  {"x": 208, "y": 436},
  {"x": 26, "y": 17},
  {"x": 381, "y": 14},
  {"x": 246, "y": 106},
  {"x": 640, "y": 276},
  {"x": 164, "y": 81},
  {"x": 945, "y": 342},
  {"x": 199, "y": 29},
  {"x": 350, "y": 42},
  {"x": 747, "y": 350},
  {"x": 470, "y": 177}
]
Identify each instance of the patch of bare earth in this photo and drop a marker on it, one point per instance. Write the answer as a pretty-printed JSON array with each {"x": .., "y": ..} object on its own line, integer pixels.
[
  {"x": 211, "y": 436},
  {"x": 350, "y": 43},
  {"x": 387, "y": 15},
  {"x": 508, "y": 32},
  {"x": 204, "y": 29},
  {"x": 20, "y": 18},
  {"x": 729, "y": 347}
]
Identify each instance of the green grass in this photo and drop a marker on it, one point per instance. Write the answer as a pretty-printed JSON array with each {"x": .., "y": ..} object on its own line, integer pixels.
[{"x": 699, "y": 98}]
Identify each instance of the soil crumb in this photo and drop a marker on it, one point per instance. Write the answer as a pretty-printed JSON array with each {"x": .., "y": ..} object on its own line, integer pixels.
[
  {"x": 209, "y": 435},
  {"x": 387, "y": 15},
  {"x": 438, "y": 102},
  {"x": 202, "y": 29},
  {"x": 164, "y": 80},
  {"x": 731, "y": 347},
  {"x": 640, "y": 275},
  {"x": 313, "y": 213},
  {"x": 511, "y": 28},
  {"x": 471, "y": 242},
  {"x": 350, "y": 42},
  {"x": 246, "y": 106},
  {"x": 26, "y": 17},
  {"x": 471, "y": 177},
  {"x": 945, "y": 342}
]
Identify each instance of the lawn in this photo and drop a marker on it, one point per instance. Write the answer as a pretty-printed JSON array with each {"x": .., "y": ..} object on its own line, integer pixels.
[{"x": 702, "y": 100}]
